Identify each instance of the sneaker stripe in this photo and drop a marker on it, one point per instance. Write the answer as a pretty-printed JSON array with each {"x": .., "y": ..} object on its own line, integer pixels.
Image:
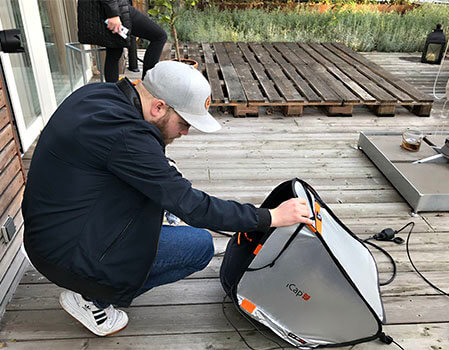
[
  {"x": 101, "y": 321},
  {"x": 98, "y": 316}
]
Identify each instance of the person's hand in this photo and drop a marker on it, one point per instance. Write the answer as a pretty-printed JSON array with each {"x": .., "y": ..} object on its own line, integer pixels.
[
  {"x": 290, "y": 212},
  {"x": 115, "y": 24}
]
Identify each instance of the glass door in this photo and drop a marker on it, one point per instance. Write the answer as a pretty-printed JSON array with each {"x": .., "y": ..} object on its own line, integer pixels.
[
  {"x": 59, "y": 27},
  {"x": 37, "y": 80},
  {"x": 21, "y": 83},
  {"x": 27, "y": 74}
]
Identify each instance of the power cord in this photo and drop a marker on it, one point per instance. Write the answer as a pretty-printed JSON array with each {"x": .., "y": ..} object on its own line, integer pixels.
[
  {"x": 386, "y": 235},
  {"x": 413, "y": 264},
  {"x": 388, "y": 340}
]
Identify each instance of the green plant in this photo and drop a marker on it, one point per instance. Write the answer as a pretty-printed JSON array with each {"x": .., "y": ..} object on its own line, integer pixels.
[
  {"x": 168, "y": 11},
  {"x": 362, "y": 28}
]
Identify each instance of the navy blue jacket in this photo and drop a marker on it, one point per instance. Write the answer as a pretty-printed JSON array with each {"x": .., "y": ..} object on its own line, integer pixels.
[{"x": 97, "y": 188}]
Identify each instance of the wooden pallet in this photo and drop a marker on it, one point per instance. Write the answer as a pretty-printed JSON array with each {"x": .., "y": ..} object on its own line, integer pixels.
[{"x": 246, "y": 76}]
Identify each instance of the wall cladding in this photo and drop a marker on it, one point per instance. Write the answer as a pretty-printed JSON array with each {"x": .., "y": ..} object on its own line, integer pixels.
[{"x": 12, "y": 182}]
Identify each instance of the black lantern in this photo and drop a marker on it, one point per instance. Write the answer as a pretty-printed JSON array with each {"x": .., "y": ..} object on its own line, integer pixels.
[{"x": 434, "y": 48}]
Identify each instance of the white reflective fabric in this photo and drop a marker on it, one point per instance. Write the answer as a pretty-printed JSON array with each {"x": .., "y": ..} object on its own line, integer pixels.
[
  {"x": 356, "y": 260},
  {"x": 304, "y": 297}
]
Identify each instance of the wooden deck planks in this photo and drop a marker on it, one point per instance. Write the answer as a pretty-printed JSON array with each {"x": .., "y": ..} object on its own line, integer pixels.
[
  {"x": 400, "y": 84},
  {"x": 188, "y": 314},
  {"x": 274, "y": 71},
  {"x": 309, "y": 70},
  {"x": 231, "y": 79},
  {"x": 249, "y": 84},
  {"x": 212, "y": 74},
  {"x": 246, "y": 76},
  {"x": 290, "y": 71},
  {"x": 259, "y": 71}
]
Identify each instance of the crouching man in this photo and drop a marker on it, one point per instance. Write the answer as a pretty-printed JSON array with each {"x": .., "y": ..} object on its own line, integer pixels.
[{"x": 99, "y": 183}]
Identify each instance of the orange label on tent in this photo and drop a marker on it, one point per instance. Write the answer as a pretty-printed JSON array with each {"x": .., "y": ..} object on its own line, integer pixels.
[
  {"x": 318, "y": 222},
  {"x": 257, "y": 250},
  {"x": 248, "y": 306}
]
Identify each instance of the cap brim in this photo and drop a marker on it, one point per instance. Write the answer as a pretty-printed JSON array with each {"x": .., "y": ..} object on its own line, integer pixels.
[{"x": 204, "y": 123}]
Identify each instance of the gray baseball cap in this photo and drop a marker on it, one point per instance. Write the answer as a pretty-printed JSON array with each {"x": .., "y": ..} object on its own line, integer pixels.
[{"x": 184, "y": 89}]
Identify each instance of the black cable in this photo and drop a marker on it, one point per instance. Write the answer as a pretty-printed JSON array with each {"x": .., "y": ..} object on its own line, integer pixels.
[
  {"x": 411, "y": 261},
  {"x": 386, "y": 339},
  {"x": 388, "y": 256},
  {"x": 235, "y": 328},
  {"x": 398, "y": 345}
]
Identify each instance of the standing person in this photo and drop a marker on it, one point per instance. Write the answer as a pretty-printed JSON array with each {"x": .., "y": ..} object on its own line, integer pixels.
[
  {"x": 92, "y": 29},
  {"x": 99, "y": 183},
  {"x": 132, "y": 52}
]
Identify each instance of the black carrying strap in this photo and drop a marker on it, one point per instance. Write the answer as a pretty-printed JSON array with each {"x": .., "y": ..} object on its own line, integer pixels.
[
  {"x": 307, "y": 188},
  {"x": 131, "y": 93},
  {"x": 290, "y": 240}
]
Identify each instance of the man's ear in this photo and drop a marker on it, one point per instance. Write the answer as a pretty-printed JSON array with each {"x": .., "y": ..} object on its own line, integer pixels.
[{"x": 158, "y": 108}]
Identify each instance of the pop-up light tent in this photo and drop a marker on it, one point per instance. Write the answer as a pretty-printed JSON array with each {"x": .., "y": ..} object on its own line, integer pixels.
[{"x": 313, "y": 286}]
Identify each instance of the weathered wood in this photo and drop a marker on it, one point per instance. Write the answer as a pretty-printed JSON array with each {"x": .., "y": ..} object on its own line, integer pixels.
[
  {"x": 293, "y": 110},
  {"x": 420, "y": 110},
  {"x": 11, "y": 278},
  {"x": 242, "y": 110},
  {"x": 2, "y": 98},
  {"x": 322, "y": 151},
  {"x": 193, "y": 52},
  {"x": 185, "y": 319},
  {"x": 409, "y": 89},
  {"x": 342, "y": 71},
  {"x": 384, "y": 110},
  {"x": 4, "y": 118},
  {"x": 6, "y": 154},
  {"x": 44, "y": 295},
  {"x": 284, "y": 85},
  {"x": 259, "y": 72},
  {"x": 340, "y": 110},
  {"x": 427, "y": 335},
  {"x": 290, "y": 71},
  {"x": 8, "y": 256},
  {"x": 295, "y": 55},
  {"x": 336, "y": 85},
  {"x": 11, "y": 191},
  {"x": 250, "y": 86},
  {"x": 356, "y": 73},
  {"x": 231, "y": 79},
  {"x": 212, "y": 74},
  {"x": 6, "y": 135},
  {"x": 13, "y": 210},
  {"x": 9, "y": 173}
]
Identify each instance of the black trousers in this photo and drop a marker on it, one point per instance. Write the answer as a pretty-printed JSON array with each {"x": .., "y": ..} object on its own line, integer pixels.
[{"x": 143, "y": 27}]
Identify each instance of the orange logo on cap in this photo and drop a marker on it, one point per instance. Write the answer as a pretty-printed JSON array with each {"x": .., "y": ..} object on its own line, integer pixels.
[{"x": 207, "y": 104}]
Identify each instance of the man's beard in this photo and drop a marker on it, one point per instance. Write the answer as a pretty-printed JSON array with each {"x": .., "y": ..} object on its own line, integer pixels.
[{"x": 162, "y": 126}]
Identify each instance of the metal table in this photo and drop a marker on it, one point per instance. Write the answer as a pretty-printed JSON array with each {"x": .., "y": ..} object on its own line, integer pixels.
[{"x": 424, "y": 186}]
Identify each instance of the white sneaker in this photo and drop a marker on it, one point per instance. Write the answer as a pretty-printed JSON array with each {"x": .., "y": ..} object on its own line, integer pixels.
[{"x": 99, "y": 321}]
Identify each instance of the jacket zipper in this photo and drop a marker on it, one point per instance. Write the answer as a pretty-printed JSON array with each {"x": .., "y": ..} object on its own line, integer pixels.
[{"x": 116, "y": 239}]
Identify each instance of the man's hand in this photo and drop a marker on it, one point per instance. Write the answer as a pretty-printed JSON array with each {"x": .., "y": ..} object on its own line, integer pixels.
[
  {"x": 115, "y": 24},
  {"x": 290, "y": 212}
]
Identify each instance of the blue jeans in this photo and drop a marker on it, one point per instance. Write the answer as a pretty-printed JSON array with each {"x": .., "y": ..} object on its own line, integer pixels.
[{"x": 182, "y": 251}]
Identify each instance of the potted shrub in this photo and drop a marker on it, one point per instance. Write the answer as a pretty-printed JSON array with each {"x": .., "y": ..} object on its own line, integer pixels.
[{"x": 168, "y": 11}]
